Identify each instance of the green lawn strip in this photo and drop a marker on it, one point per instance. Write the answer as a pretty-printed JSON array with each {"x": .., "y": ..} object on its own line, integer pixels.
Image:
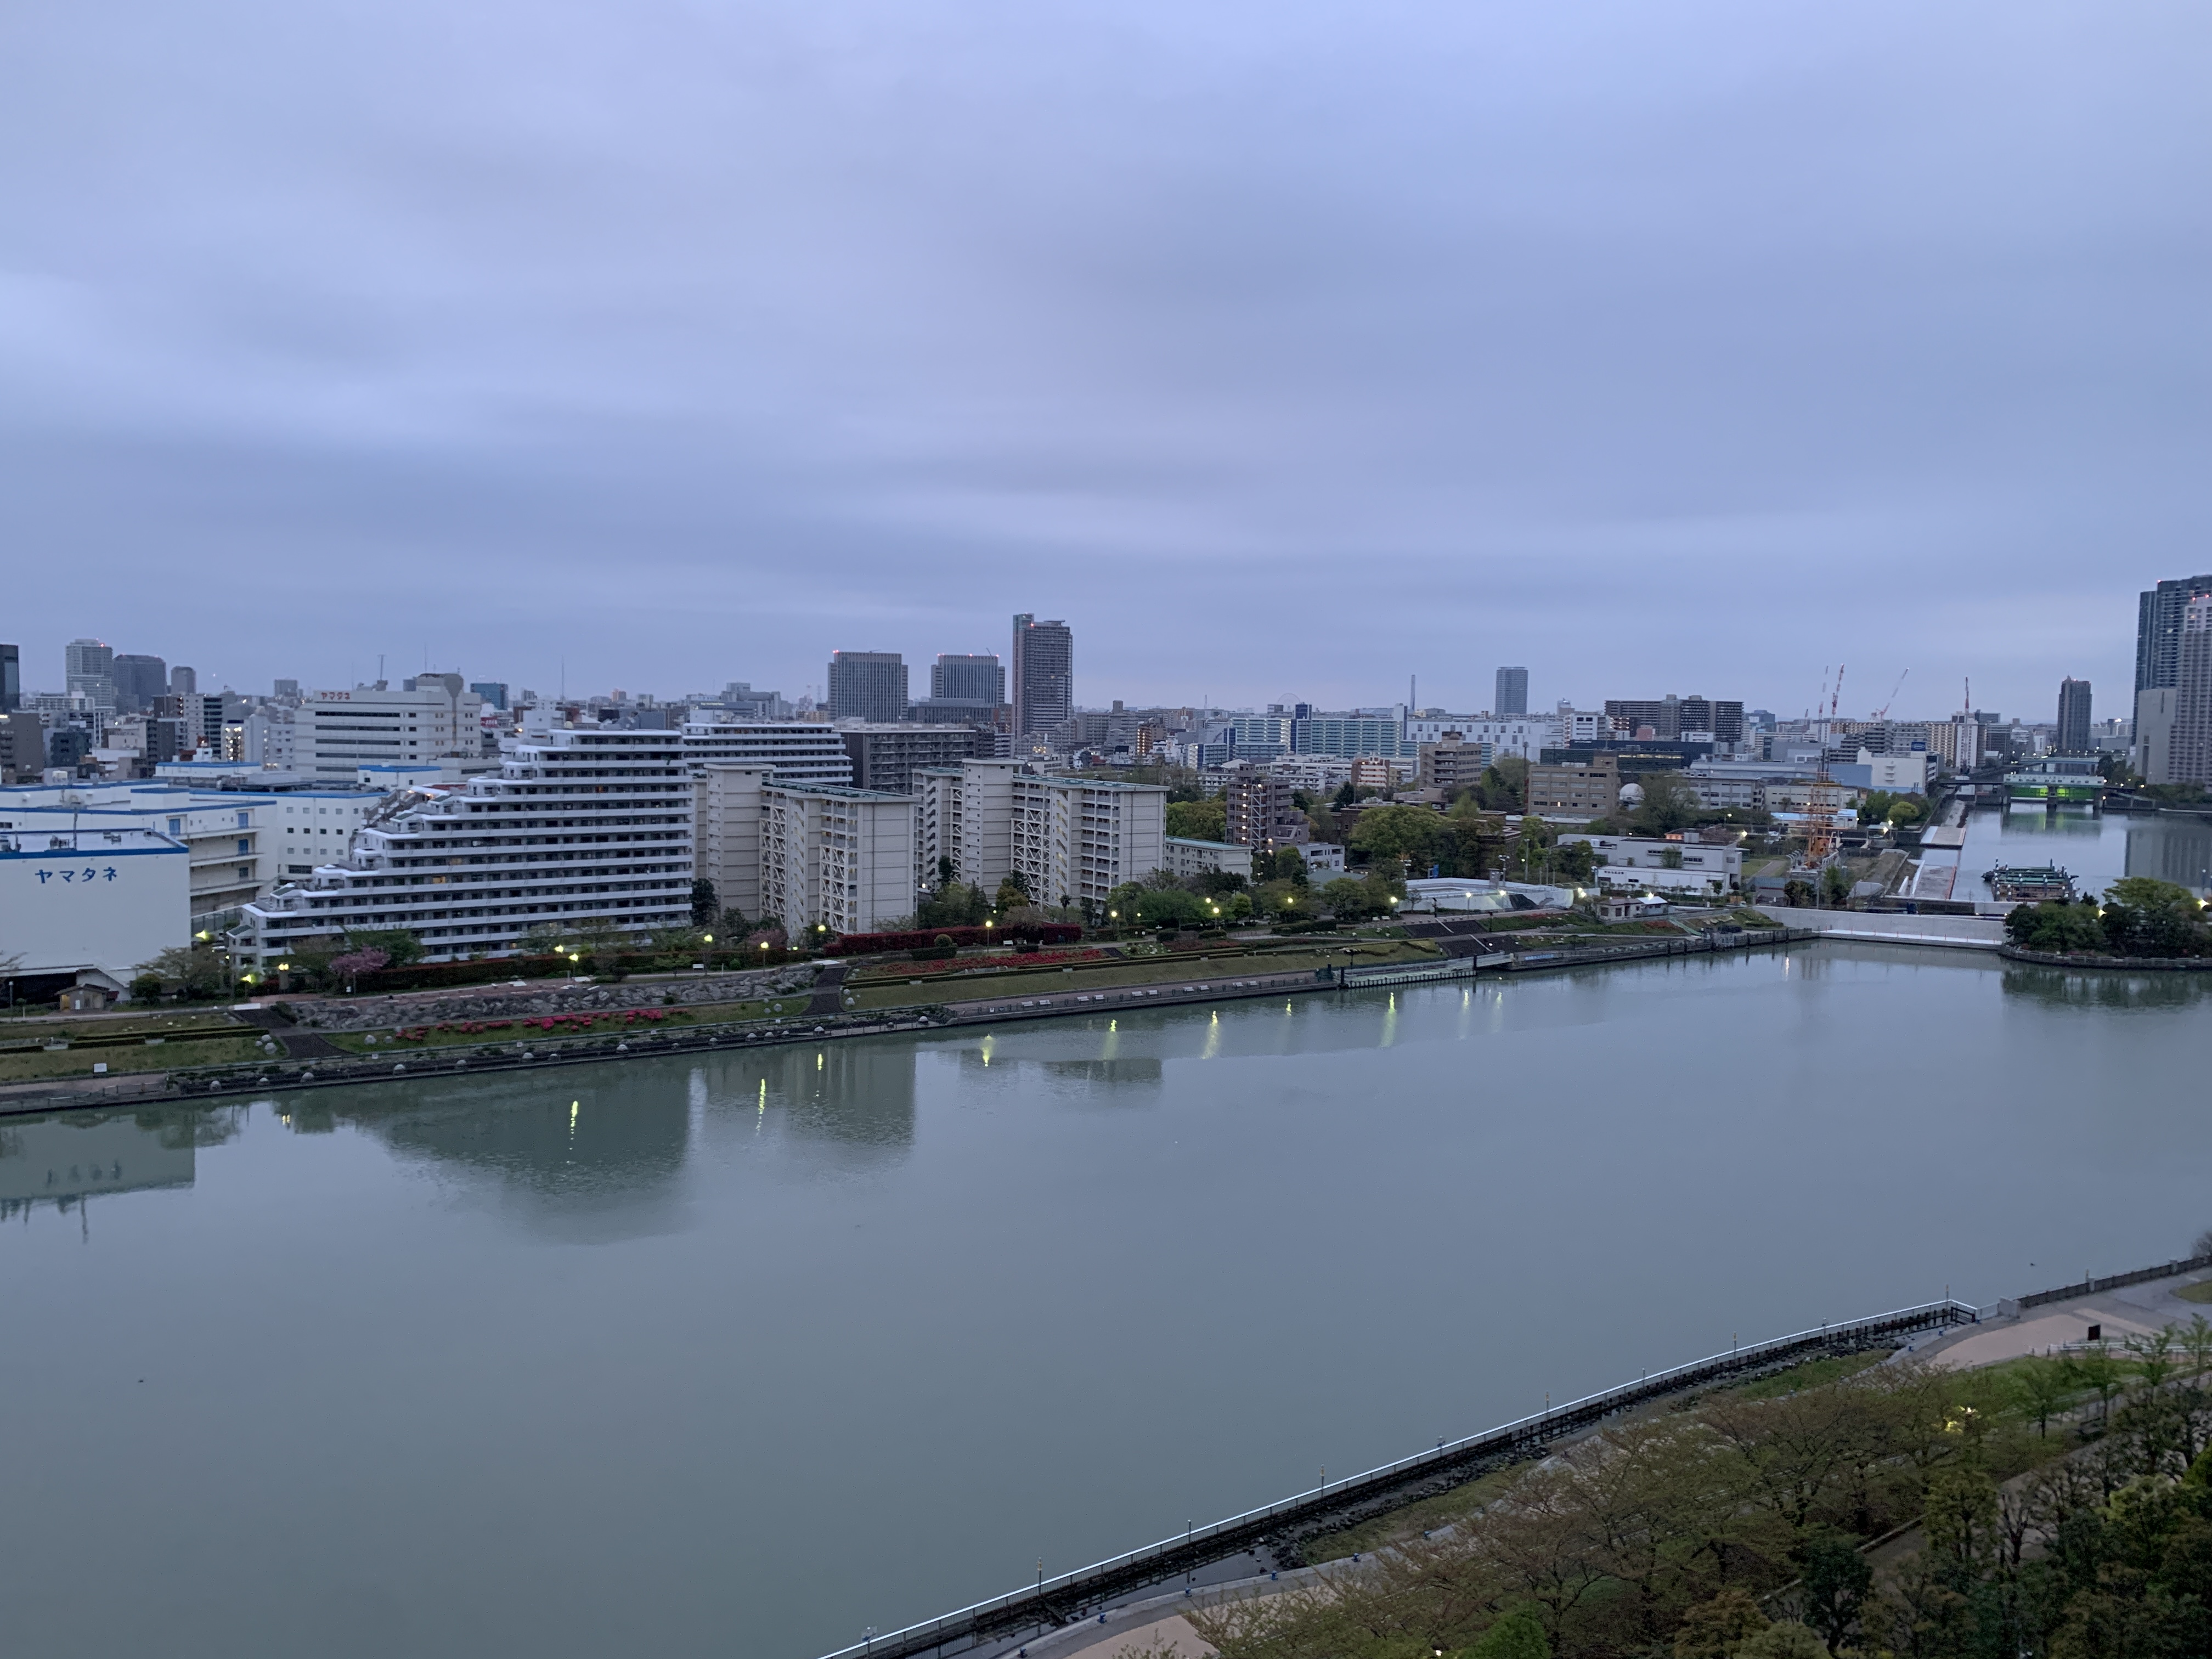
[
  {"x": 1153, "y": 970},
  {"x": 2200, "y": 1291},
  {"x": 1810, "y": 1375},
  {"x": 524, "y": 1028},
  {"x": 126, "y": 1058},
  {"x": 1425, "y": 1516},
  {"x": 87, "y": 1031}
]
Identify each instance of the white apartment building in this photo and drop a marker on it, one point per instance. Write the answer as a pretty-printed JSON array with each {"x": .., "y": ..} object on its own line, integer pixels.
[
  {"x": 726, "y": 849},
  {"x": 578, "y": 827},
  {"x": 1077, "y": 839},
  {"x": 334, "y": 733},
  {"x": 1317, "y": 774},
  {"x": 796, "y": 751},
  {"x": 1187, "y": 858},
  {"x": 1524, "y": 735},
  {"x": 313, "y": 828},
  {"x": 835, "y": 857},
  {"x": 967, "y": 815}
]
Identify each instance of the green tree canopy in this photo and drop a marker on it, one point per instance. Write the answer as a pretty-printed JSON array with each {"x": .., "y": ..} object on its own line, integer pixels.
[
  {"x": 2145, "y": 917},
  {"x": 196, "y": 970},
  {"x": 2057, "y": 926},
  {"x": 1198, "y": 820},
  {"x": 1518, "y": 1635},
  {"x": 1014, "y": 891},
  {"x": 1406, "y": 832},
  {"x": 399, "y": 946},
  {"x": 1670, "y": 802}
]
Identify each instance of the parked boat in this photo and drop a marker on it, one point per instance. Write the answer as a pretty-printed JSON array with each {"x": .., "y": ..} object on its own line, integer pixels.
[{"x": 2029, "y": 883}]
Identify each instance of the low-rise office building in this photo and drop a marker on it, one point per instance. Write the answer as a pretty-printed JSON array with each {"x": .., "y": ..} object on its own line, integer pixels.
[
  {"x": 1640, "y": 854},
  {"x": 885, "y": 757},
  {"x": 1453, "y": 763},
  {"x": 230, "y": 852},
  {"x": 1579, "y": 789},
  {"x": 334, "y": 733},
  {"x": 89, "y": 905}
]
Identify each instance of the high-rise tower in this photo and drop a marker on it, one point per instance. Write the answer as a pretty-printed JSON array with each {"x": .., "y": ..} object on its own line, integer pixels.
[
  {"x": 1512, "y": 696},
  {"x": 1045, "y": 674},
  {"x": 2073, "y": 717}
]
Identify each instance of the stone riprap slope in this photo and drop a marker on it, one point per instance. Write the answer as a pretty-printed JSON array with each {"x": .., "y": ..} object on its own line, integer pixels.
[{"x": 424, "y": 1008}]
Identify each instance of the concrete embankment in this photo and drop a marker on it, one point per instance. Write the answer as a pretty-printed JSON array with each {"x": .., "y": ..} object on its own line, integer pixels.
[{"x": 1878, "y": 927}]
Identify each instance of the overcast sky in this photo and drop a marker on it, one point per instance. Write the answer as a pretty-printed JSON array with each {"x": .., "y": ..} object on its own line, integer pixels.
[{"x": 1285, "y": 350}]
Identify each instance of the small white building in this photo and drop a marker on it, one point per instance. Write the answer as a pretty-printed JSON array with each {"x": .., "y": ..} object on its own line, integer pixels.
[
  {"x": 1704, "y": 865},
  {"x": 1187, "y": 858},
  {"x": 93, "y": 903},
  {"x": 1324, "y": 860},
  {"x": 1683, "y": 884}
]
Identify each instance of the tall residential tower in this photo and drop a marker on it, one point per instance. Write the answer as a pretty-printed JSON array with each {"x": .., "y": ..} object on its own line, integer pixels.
[{"x": 1045, "y": 674}]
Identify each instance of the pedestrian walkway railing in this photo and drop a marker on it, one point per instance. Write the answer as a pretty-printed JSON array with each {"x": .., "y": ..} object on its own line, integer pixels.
[{"x": 1070, "y": 1596}]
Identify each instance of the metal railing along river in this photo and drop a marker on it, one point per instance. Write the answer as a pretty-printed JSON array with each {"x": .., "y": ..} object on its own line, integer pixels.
[{"x": 1069, "y": 1596}]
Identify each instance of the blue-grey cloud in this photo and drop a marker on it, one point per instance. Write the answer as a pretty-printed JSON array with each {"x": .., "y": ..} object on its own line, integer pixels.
[{"x": 1283, "y": 348}]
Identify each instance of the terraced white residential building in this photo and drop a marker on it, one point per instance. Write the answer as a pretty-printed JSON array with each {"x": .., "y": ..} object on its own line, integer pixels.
[{"x": 578, "y": 827}]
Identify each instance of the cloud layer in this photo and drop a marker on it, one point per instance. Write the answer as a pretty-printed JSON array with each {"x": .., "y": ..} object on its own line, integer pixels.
[{"x": 1285, "y": 349}]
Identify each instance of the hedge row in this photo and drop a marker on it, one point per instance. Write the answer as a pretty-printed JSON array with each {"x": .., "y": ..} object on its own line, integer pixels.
[
  {"x": 432, "y": 976},
  {"x": 862, "y": 944}
]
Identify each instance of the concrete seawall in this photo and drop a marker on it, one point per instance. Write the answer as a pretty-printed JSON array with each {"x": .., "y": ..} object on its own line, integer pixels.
[{"x": 1957, "y": 932}]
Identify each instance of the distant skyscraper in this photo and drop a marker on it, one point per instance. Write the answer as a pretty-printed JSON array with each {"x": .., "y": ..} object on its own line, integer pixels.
[
  {"x": 867, "y": 685},
  {"x": 494, "y": 692},
  {"x": 1512, "y": 696},
  {"x": 2159, "y": 614},
  {"x": 1045, "y": 674},
  {"x": 969, "y": 679},
  {"x": 2189, "y": 735},
  {"x": 184, "y": 682},
  {"x": 138, "y": 681},
  {"x": 2074, "y": 717},
  {"x": 89, "y": 666},
  {"x": 11, "y": 678}
]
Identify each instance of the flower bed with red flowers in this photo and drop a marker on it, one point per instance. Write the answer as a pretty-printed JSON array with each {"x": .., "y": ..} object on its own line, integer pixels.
[{"x": 877, "y": 975}]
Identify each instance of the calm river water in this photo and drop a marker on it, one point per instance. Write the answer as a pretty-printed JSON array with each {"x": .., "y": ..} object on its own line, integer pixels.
[{"x": 738, "y": 1358}]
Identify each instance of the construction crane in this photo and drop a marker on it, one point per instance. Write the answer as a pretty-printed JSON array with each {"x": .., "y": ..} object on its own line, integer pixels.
[
  {"x": 1882, "y": 712},
  {"x": 1821, "y": 801}
]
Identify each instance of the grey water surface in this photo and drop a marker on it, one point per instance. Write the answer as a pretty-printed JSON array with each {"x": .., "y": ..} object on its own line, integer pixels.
[{"x": 739, "y": 1356}]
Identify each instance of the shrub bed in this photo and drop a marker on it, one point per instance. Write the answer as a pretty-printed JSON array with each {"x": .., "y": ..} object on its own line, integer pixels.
[{"x": 862, "y": 944}]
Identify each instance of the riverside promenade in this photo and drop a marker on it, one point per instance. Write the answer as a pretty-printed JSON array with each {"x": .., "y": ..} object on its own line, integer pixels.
[{"x": 316, "y": 1063}]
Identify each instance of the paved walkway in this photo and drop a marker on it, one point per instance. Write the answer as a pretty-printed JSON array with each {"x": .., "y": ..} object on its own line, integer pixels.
[{"x": 2117, "y": 1314}]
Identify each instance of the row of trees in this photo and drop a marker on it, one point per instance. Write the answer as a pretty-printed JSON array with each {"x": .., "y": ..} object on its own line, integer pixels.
[
  {"x": 2139, "y": 917},
  {"x": 1737, "y": 1530}
]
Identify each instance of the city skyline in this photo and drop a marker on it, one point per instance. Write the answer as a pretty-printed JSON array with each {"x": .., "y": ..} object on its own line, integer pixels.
[
  {"x": 1441, "y": 341},
  {"x": 1094, "y": 690}
]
